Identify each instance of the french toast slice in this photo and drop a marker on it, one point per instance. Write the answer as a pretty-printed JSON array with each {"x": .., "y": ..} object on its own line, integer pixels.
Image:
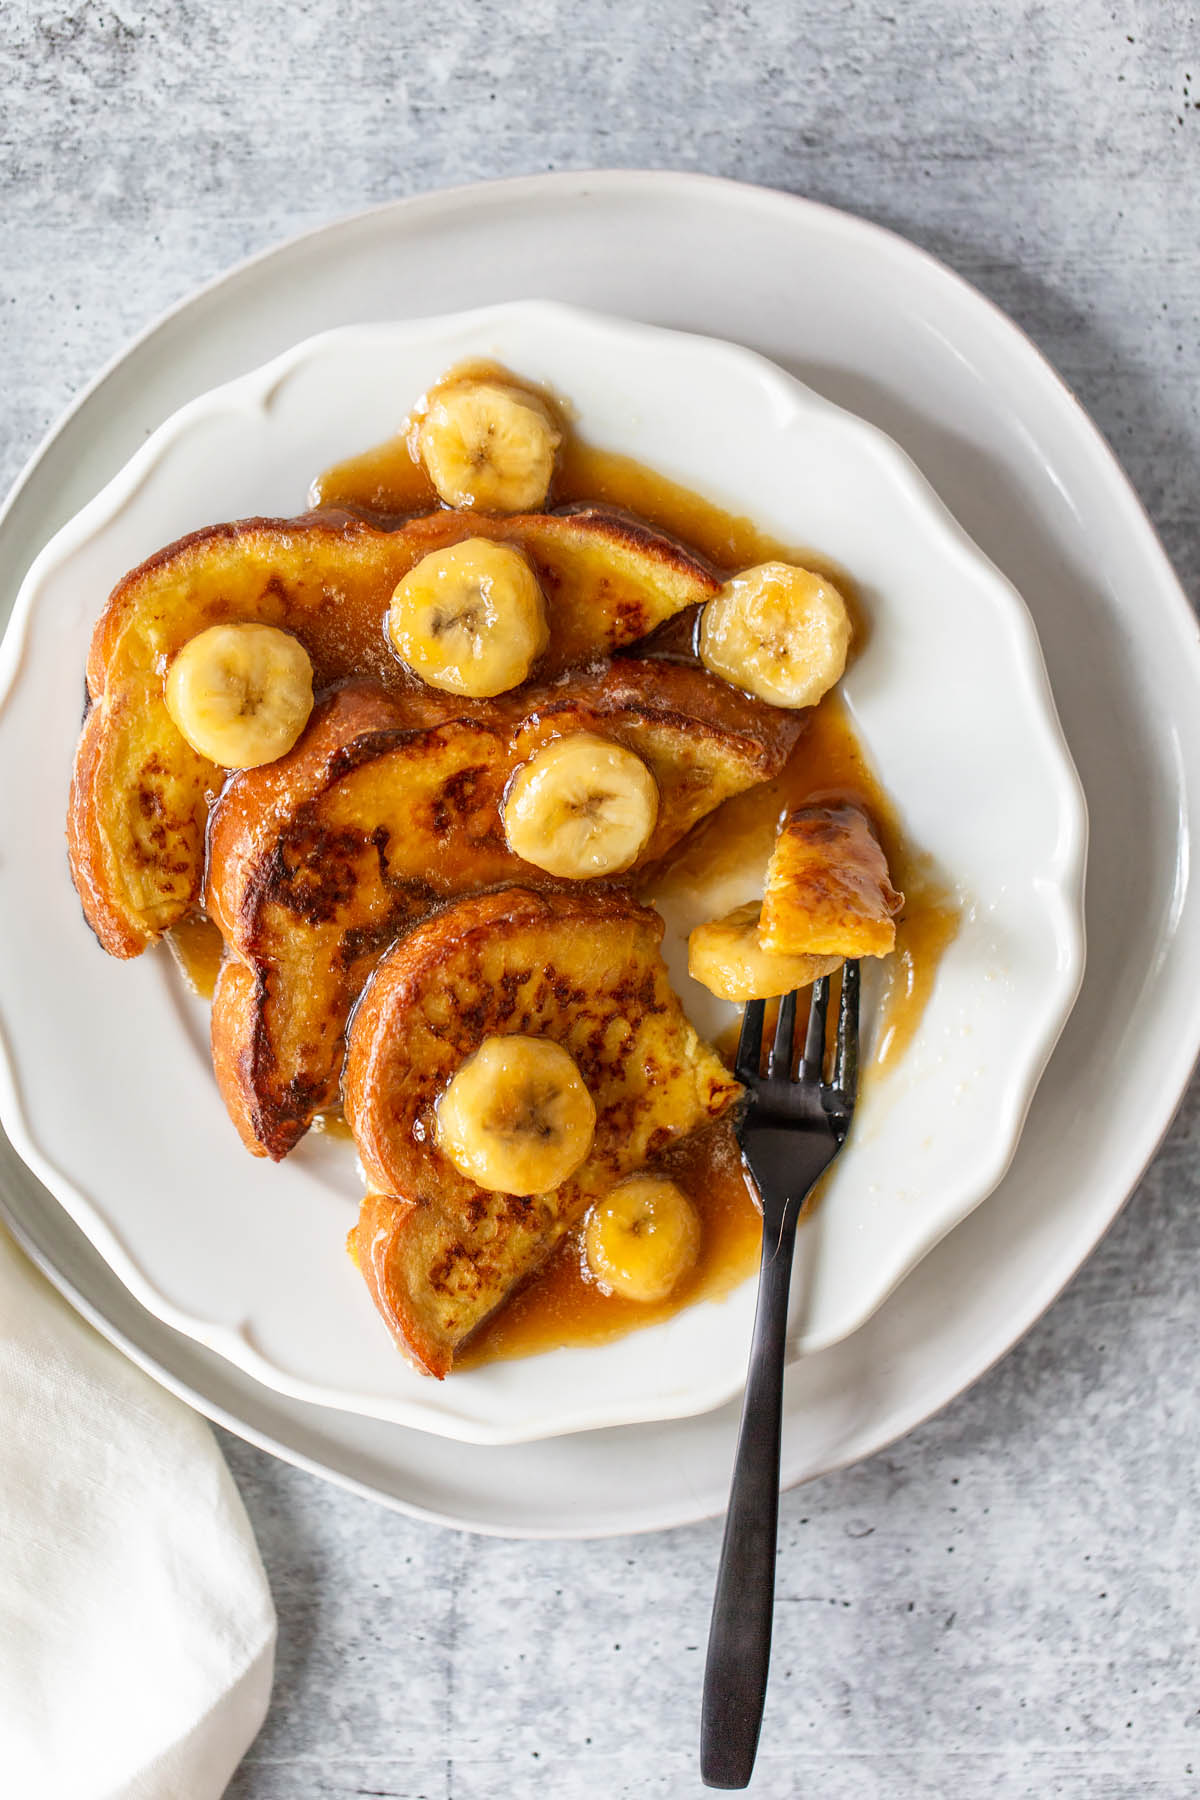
[
  {"x": 140, "y": 793},
  {"x": 318, "y": 861},
  {"x": 583, "y": 969}
]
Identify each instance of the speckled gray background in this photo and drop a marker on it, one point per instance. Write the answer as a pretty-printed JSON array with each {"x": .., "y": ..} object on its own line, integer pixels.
[{"x": 1005, "y": 1604}]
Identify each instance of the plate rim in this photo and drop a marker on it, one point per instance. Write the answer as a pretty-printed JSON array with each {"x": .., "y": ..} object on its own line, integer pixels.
[{"x": 1122, "y": 1172}]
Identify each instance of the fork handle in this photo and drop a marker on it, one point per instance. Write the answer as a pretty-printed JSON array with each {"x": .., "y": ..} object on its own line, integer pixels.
[{"x": 739, "y": 1642}]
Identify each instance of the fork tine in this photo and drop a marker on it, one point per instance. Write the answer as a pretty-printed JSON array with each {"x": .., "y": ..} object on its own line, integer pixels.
[
  {"x": 812, "y": 1063},
  {"x": 845, "y": 1057},
  {"x": 749, "y": 1050},
  {"x": 779, "y": 1063}
]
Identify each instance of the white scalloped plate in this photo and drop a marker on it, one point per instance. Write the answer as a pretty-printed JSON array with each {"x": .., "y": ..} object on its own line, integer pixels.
[{"x": 108, "y": 1095}]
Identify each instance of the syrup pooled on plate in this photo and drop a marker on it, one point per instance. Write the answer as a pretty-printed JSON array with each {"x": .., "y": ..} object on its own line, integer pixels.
[
  {"x": 197, "y": 947},
  {"x": 563, "y": 1304}
]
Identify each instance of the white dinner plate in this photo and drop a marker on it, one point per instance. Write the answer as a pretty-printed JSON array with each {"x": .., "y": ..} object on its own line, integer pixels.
[
  {"x": 109, "y": 1077},
  {"x": 873, "y": 323}
]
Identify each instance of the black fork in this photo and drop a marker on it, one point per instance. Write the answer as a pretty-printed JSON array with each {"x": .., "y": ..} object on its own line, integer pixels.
[{"x": 790, "y": 1132}]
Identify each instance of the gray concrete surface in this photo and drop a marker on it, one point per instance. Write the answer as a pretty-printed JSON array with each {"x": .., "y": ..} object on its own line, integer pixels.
[{"x": 1005, "y": 1604}]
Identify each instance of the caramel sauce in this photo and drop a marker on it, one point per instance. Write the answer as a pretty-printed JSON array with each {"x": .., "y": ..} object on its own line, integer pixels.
[
  {"x": 386, "y": 481},
  {"x": 563, "y": 1305},
  {"x": 926, "y": 929},
  {"x": 197, "y": 947},
  {"x": 332, "y": 1123}
]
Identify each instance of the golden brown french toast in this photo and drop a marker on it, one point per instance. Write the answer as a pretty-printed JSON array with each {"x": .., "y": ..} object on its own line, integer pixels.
[
  {"x": 317, "y": 861},
  {"x": 140, "y": 793},
  {"x": 581, "y": 969},
  {"x": 828, "y": 891}
]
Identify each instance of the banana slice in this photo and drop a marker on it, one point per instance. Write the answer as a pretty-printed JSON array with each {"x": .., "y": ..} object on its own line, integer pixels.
[
  {"x": 488, "y": 446},
  {"x": 516, "y": 1117},
  {"x": 470, "y": 619},
  {"x": 727, "y": 958},
  {"x": 642, "y": 1238},
  {"x": 241, "y": 694},
  {"x": 583, "y": 806},
  {"x": 779, "y": 632}
]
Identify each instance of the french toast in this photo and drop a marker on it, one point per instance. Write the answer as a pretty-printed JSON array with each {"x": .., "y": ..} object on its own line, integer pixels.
[
  {"x": 583, "y": 969},
  {"x": 319, "y": 860},
  {"x": 140, "y": 792},
  {"x": 828, "y": 891}
]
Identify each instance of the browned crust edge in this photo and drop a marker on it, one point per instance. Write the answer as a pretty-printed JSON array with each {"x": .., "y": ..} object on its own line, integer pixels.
[
  {"x": 117, "y": 932},
  {"x": 373, "y": 1243}
]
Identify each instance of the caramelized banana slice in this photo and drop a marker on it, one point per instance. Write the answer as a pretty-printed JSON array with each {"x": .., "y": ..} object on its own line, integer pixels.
[
  {"x": 642, "y": 1238},
  {"x": 516, "y": 1116},
  {"x": 241, "y": 694},
  {"x": 583, "y": 806},
  {"x": 779, "y": 632},
  {"x": 470, "y": 619},
  {"x": 489, "y": 446},
  {"x": 725, "y": 956}
]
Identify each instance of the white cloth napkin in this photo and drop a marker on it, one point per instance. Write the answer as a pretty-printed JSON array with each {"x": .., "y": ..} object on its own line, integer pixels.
[{"x": 137, "y": 1633}]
